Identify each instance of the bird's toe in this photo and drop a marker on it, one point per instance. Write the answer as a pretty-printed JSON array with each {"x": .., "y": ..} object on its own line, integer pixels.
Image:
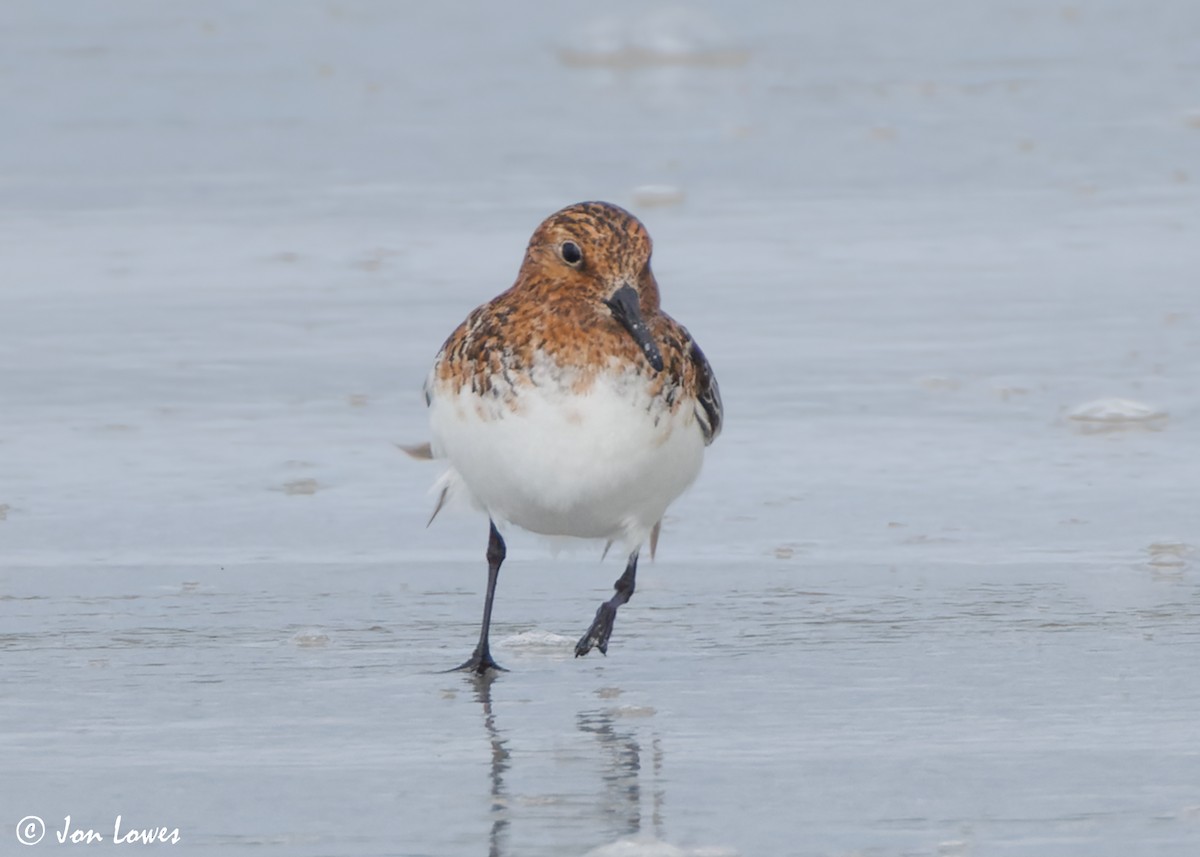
[{"x": 599, "y": 632}]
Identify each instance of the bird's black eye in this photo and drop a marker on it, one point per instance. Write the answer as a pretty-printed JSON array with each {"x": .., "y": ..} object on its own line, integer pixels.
[{"x": 571, "y": 254}]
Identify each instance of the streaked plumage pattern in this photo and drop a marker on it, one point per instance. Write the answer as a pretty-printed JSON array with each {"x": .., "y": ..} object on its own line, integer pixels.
[{"x": 571, "y": 405}]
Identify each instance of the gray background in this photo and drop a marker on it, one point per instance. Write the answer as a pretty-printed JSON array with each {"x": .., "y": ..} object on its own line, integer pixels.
[{"x": 912, "y": 606}]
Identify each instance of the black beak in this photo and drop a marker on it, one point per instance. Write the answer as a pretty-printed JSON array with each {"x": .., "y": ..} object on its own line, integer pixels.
[{"x": 626, "y": 309}]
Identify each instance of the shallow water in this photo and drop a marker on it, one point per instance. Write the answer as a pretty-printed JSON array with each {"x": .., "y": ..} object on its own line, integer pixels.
[{"x": 935, "y": 593}]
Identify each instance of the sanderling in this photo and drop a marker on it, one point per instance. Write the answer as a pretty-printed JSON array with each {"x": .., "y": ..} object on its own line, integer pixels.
[{"x": 571, "y": 405}]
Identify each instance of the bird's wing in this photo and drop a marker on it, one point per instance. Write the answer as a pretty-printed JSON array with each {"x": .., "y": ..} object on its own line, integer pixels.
[
  {"x": 427, "y": 387},
  {"x": 709, "y": 409},
  {"x": 424, "y": 451}
]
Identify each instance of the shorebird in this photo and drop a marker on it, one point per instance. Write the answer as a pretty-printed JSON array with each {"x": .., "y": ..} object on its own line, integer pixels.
[{"x": 571, "y": 404}]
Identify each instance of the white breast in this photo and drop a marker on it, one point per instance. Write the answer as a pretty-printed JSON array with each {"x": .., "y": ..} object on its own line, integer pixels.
[{"x": 605, "y": 463}]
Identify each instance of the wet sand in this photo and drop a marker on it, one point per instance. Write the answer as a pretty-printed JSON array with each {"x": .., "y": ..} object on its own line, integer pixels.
[{"x": 935, "y": 592}]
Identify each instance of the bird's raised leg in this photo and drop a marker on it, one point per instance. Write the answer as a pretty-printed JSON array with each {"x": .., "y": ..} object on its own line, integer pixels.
[
  {"x": 481, "y": 660},
  {"x": 597, "y": 635}
]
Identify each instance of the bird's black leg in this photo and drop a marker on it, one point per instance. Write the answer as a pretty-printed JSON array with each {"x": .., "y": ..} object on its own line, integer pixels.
[
  {"x": 602, "y": 625},
  {"x": 481, "y": 660}
]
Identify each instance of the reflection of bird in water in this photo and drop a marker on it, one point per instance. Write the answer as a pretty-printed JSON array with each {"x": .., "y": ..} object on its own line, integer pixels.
[
  {"x": 628, "y": 773},
  {"x": 624, "y": 774},
  {"x": 500, "y": 764}
]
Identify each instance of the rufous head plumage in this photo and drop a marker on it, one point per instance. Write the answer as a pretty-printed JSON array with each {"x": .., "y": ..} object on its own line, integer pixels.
[
  {"x": 597, "y": 253},
  {"x": 592, "y": 249}
]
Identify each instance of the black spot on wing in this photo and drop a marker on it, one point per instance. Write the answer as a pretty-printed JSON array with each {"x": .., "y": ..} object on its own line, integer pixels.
[{"x": 711, "y": 411}]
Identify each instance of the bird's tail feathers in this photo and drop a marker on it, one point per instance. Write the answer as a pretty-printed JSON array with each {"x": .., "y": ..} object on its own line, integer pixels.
[{"x": 419, "y": 451}]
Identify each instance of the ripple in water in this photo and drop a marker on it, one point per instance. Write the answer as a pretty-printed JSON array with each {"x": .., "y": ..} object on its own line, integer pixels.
[
  {"x": 648, "y": 847},
  {"x": 1103, "y": 416},
  {"x": 666, "y": 37}
]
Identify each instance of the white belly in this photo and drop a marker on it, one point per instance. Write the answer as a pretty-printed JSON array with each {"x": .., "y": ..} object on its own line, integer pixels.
[{"x": 601, "y": 464}]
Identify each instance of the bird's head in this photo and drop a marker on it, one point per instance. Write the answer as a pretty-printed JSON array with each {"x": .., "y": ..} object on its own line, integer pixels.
[{"x": 599, "y": 253}]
